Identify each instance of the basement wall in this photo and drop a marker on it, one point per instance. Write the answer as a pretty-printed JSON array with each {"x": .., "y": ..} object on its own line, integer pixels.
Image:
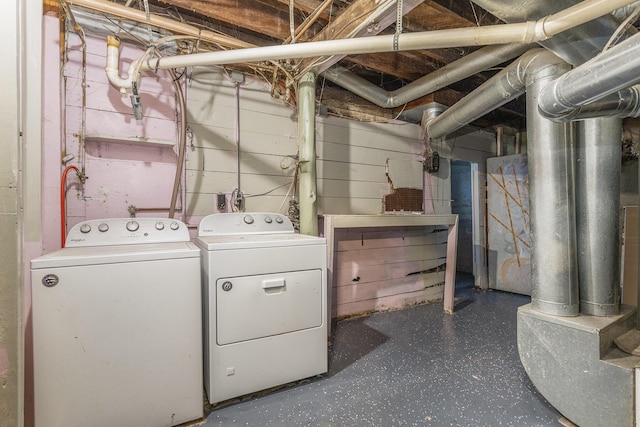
[
  {"x": 131, "y": 165},
  {"x": 10, "y": 252},
  {"x": 128, "y": 162},
  {"x": 355, "y": 164}
]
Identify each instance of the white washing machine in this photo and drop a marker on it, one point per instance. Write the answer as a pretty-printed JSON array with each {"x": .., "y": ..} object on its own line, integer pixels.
[
  {"x": 265, "y": 297},
  {"x": 117, "y": 326}
]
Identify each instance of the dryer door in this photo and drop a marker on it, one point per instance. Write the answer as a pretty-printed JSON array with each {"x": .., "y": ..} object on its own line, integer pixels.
[{"x": 250, "y": 307}]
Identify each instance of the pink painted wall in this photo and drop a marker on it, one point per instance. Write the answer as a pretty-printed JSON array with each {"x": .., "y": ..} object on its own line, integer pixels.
[
  {"x": 127, "y": 161},
  {"x": 121, "y": 172}
]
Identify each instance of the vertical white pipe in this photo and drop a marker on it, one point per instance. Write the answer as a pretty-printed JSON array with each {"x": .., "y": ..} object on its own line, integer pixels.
[{"x": 307, "y": 154}]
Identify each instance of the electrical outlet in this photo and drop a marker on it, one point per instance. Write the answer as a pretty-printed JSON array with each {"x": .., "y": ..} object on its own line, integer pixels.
[{"x": 221, "y": 201}]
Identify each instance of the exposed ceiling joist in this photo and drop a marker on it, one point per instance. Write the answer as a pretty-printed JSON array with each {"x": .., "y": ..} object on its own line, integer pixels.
[
  {"x": 363, "y": 17},
  {"x": 267, "y": 22}
]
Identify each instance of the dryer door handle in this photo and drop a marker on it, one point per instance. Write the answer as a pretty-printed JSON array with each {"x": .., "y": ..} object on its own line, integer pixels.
[{"x": 273, "y": 283}]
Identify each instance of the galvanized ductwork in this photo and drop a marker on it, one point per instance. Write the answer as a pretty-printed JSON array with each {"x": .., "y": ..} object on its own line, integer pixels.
[
  {"x": 621, "y": 104},
  {"x": 480, "y": 60},
  {"x": 562, "y": 350},
  {"x": 598, "y": 203},
  {"x": 576, "y": 45},
  {"x": 505, "y": 86},
  {"x": 550, "y": 154},
  {"x": 614, "y": 70}
]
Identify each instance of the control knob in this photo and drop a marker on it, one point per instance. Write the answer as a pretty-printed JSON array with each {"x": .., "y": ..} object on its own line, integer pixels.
[
  {"x": 174, "y": 226},
  {"x": 268, "y": 219},
  {"x": 279, "y": 219},
  {"x": 133, "y": 225},
  {"x": 248, "y": 219},
  {"x": 85, "y": 228},
  {"x": 159, "y": 226},
  {"x": 103, "y": 227}
]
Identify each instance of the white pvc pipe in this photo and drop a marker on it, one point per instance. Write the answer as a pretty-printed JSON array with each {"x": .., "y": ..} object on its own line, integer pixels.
[
  {"x": 497, "y": 34},
  {"x": 526, "y": 32},
  {"x": 112, "y": 67}
]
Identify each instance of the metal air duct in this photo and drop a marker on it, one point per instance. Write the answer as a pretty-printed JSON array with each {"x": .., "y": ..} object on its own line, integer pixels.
[
  {"x": 597, "y": 209},
  {"x": 606, "y": 74},
  {"x": 551, "y": 157},
  {"x": 550, "y": 153},
  {"x": 621, "y": 104},
  {"x": 477, "y": 61},
  {"x": 505, "y": 86},
  {"x": 576, "y": 45}
]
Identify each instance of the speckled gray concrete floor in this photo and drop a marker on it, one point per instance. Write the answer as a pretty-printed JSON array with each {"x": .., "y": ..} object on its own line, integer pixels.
[{"x": 413, "y": 367}]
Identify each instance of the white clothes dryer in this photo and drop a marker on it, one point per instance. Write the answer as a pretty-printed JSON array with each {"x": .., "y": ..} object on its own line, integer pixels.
[
  {"x": 265, "y": 297},
  {"x": 117, "y": 326}
]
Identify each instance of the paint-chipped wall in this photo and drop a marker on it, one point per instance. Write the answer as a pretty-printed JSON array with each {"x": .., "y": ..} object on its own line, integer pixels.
[
  {"x": 10, "y": 286},
  {"x": 353, "y": 157},
  {"x": 381, "y": 269},
  {"x": 267, "y": 134},
  {"x": 129, "y": 163}
]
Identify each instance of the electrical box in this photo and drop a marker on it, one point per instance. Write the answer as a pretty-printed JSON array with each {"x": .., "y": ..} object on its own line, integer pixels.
[{"x": 431, "y": 162}]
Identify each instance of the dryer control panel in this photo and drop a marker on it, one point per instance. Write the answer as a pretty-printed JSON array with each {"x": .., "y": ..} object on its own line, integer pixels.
[
  {"x": 123, "y": 231},
  {"x": 244, "y": 223}
]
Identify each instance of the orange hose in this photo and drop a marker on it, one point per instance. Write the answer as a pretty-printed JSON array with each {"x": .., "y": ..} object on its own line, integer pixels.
[{"x": 63, "y": 206}]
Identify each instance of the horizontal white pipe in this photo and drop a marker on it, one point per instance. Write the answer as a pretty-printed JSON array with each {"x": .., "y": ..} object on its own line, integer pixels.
[
  {"x": 526, "y": 32},
  {"x": 497, "y": 34}
]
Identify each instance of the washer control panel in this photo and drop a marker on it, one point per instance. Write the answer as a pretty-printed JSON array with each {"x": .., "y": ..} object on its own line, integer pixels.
[
  {"x": 244, "y": 223},
  {"x": 121, "y": 231}
]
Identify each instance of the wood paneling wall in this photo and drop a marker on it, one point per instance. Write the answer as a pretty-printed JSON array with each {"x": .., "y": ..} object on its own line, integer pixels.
[
  {"x": 353, "y": 157},
  {"x": 381, "y": 269}
]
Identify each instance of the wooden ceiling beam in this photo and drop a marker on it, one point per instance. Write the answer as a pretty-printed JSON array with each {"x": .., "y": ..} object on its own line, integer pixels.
[
  {"x": 248, "y": 14},
  {"x": 431, "y": 16},
  {"x": 469, "y": 11},
  {"x": 408, "y": 66},
  {"x": 446, "y": 97},
  {"x": 362, "y": 17},
  {"x": 307, "y": 7}
]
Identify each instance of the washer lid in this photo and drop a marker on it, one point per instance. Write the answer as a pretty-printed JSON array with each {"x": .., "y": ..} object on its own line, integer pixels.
[
  {"x": 245, "y": 241},
  {"x": 79, "y": 256}
]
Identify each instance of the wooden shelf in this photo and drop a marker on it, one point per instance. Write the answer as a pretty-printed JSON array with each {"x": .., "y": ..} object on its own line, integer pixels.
[{"x": 132, "y": 140}]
